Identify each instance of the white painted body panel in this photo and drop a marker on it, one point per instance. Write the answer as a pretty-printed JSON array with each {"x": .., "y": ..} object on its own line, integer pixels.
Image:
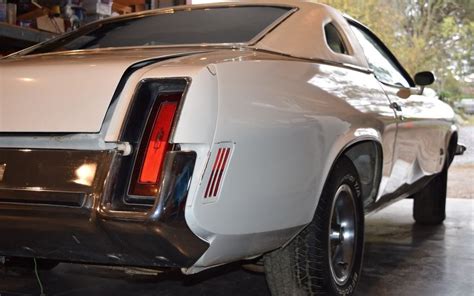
[
  {"x": 423, "y": 130},
  {"x": 289, "y": 121},
  {"x": 63, "y": 93},
  {"x": 288, "y": 128}
]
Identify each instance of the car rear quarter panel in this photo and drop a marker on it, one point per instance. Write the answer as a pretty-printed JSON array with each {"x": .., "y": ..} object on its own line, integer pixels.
[{"x": 288, "y": 121}]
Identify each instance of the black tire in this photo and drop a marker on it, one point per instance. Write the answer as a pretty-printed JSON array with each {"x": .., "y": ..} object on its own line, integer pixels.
[
  {"x": 304, "y": 266},
  {"x": 429, "y": 204}
]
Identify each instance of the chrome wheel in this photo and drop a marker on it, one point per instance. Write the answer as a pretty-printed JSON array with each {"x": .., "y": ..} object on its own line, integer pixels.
[{"x": 342, "y": 234}]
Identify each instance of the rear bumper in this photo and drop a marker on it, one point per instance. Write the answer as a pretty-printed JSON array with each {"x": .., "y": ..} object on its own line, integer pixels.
[
  {"x": 77, "y": 236},
  {"x": 51, "y": 208}
]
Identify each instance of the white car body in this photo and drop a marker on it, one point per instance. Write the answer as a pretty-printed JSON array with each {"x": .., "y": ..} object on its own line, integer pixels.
[{"x": 285, "y": 106}]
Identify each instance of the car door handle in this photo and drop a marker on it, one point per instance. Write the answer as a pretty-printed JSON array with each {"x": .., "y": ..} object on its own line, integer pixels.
[{"x": 395, "y": 106}]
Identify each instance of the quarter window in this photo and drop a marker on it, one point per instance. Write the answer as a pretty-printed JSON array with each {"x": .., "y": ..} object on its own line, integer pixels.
[
  {"x": 333, "y": 39},
  {"x": 385, "y": 68}
]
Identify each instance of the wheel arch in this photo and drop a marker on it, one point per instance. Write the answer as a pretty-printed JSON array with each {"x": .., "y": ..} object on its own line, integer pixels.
[
  {"x": 366, "y": 154},
  {"x": 354, "y": 150}
]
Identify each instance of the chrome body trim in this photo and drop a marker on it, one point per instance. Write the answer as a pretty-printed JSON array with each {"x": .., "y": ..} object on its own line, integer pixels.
[
  {"x": 74, "y": 178},
  {"x": 271, "y": 27},
  {"x": 76, "y": 213},
  {"x": 320, "y": 61}
]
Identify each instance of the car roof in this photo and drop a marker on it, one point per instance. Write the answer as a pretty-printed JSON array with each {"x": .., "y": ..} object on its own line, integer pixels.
[{"x": 301, "y": 34}]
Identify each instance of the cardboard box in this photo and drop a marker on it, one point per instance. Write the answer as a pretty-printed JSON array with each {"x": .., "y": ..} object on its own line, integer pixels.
[
  {"x": 135, "y": 5},
  {"x": 50, "y": 24},
  {"x": 121, "y": 9}
]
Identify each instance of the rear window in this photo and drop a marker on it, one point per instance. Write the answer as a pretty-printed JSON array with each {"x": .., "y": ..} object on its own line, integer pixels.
[{"x": 210, "y": 25}]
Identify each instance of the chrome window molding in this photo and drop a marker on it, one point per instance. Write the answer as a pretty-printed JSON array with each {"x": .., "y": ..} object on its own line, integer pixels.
[
  {"x": 391, "y": 56},
  {"x": 271, "y": 27},
  {"x": 253, "y": 41},
  {"x": 320, "y": 61}
]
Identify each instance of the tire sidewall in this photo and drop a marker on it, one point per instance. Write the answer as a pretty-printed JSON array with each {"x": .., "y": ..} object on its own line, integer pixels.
[
  {"x": 302, "y": 267},
  {"x": 344, "y": 174}
]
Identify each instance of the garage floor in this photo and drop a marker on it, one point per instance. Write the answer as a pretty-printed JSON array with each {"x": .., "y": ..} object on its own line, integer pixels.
[{"x": 401, "y": 258}]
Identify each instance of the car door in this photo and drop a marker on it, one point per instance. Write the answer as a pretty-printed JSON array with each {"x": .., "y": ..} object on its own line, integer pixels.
[{"x": 419, "y": 141}]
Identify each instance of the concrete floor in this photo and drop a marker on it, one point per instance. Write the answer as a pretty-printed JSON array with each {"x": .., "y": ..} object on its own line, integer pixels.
[
  {"x": 401, "y": 258},
  {"x": 461, "y": 172}
]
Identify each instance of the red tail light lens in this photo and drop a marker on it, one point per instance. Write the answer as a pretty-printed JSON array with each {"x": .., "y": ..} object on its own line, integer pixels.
[
  {"x": 154, "y": 145},
  {"x": 158, "y": 143}
]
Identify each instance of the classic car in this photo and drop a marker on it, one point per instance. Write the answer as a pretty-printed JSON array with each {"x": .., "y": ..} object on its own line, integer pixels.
[{"x": 195, "y": 136}]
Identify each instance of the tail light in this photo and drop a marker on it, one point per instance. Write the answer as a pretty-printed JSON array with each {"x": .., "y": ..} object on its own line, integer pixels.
[{"x": 154, "y": 145}]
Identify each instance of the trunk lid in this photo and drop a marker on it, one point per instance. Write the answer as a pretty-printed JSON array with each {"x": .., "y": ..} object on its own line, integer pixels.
[{"x": 65, "y": 92}]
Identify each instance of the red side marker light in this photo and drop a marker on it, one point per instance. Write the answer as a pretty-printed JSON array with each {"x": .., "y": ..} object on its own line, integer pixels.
[{"x": 217, "y": 172}]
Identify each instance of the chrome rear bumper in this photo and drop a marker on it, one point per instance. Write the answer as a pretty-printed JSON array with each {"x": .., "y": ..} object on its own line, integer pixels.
[{"x": 68, "y": 205}]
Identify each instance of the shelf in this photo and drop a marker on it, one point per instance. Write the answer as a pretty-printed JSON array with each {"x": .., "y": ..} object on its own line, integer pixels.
[{"x": 15, "y": 38}]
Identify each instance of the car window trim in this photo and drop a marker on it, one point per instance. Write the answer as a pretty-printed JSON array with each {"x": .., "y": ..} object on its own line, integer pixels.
[
  {"x": 387, "y": 51},
  {"x": 272, "y": 26},
  {"x": 353, "y": 67}
]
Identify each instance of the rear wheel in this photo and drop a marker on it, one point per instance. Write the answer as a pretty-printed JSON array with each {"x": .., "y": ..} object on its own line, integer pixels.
[
  {"x": 429, "y": 205},
  {"x": 326, "y": 257}
]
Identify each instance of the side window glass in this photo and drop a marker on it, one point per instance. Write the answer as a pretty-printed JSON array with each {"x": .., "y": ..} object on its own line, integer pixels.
[
  {"x": 379, "y": 61},
  {"x": 333, "y": 39}
]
